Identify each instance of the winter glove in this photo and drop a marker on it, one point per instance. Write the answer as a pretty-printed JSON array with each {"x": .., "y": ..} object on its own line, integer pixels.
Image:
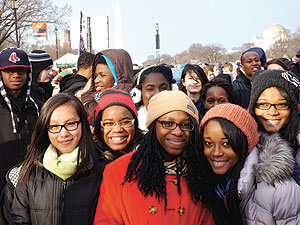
[{"x": 297, "y": 172}]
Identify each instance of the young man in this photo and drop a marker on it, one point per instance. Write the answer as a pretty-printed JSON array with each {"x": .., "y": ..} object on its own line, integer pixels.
[
  {"x": 18, "y": 110},
  {"x": 75, "y": 82},
  {"x": 42, "y": 65},
  {"x": 250, "y": 63}
]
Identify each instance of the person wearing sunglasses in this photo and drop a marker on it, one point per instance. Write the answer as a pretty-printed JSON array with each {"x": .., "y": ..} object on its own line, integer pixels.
[
  {"x": 268, "y": 182},
  {"x": 59, "y": 180},
  {"x": 116, "y": 125},
  {"x": 158, "y": 183}
]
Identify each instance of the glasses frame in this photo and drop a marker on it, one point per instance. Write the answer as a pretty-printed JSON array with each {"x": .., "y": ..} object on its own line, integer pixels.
[
  {"x": 177, "y": 124},
  {"x": 64, "y": 126},
  {"x": 275, "y": 105},
  {"x": 119, "y": 123}
]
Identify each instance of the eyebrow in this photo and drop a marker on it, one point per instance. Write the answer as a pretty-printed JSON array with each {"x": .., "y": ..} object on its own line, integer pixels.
[
  {"x": 124, "y": 118},
  {"x": 66, "y": 121}
]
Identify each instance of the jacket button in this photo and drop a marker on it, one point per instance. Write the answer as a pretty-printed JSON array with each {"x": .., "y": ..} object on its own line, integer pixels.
[
  {"x": 152, "y": 210},
  {"x": 175, "y": 181},
  {"x": 181, "y": 211}
]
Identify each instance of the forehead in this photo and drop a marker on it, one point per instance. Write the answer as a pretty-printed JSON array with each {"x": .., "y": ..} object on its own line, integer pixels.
[
  {"x": 250, "y": 55},
  {"x": 155, "y": 78},
  {"x": 216, "y": 91}
]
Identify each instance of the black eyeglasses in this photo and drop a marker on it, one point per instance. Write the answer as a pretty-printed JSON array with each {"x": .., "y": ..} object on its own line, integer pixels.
[
  {"x": 267, "y": 105},
  {"x": 123, "y": 124},
  {"x": 170, "y": 125},
  {"x": 70, "y": 126}
]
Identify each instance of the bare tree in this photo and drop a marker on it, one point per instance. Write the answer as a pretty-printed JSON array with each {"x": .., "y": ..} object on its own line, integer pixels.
[{"x": 29, "y": 11}]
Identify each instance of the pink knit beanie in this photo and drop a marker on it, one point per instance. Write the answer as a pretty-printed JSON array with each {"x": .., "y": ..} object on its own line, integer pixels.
[{"x": 239, "y": 117}]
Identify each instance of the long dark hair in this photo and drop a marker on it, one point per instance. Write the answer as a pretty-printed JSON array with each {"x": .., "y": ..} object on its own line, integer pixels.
[
  {"x": 231, "y": 214},
  {"x": 40, "y": 140},
  {"x": 147, "y": 166},
  {"x": 197, "y": 70},
  {"x": 109, "y": 154}
]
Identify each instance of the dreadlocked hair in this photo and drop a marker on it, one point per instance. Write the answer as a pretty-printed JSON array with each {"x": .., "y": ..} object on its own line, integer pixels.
[
  {"x": 226, "y": 211},
  {"x": 147, "y": 166}
]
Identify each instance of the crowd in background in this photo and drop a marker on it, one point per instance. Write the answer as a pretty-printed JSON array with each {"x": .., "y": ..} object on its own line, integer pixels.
[{"x": 114, "y": 143}]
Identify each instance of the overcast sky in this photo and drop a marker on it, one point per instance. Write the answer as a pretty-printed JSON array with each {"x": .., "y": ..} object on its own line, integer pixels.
[{"x": 182, "y": 23}]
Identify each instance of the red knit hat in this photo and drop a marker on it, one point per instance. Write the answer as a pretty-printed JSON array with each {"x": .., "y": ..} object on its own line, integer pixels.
[
  {"x": 239, "y": 117},
  {"x": 112, "y": 96}
]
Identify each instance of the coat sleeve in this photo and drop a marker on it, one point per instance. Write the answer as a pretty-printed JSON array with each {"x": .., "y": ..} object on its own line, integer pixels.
[
  {"x": 5, "y": 204},
  {"x": 108, "y": 209},
  {"x": 20, "y": 212}
]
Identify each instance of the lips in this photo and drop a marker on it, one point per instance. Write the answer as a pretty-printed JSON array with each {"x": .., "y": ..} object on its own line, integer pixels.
[
  {"x": 176, "y": 142},
  {"x": 272, "y": 122},
  {"x": 219, "y": 163},
  {"x": 98, "y": 89},
  {"x": 118, "y": 140},
  {"x": 65, "y": 142}
]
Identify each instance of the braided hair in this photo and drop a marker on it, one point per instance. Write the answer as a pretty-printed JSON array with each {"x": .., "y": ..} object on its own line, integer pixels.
[{"x": 147, "y": 167}]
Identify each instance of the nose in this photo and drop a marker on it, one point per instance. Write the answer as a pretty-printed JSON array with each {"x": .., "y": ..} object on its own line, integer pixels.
[
  {"x": 117, "y": 128},
  {"x": 64, "y": 132},
  {"x": 98, "y": 79},
  {"x": 217, "y": 151},
  {"x": 177, "y": 131},
  {"x": 273, "y": 111}
]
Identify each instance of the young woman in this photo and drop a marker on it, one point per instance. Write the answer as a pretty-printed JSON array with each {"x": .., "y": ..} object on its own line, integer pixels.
[
  {"x": 193, "y": 79},
  {"x": 215, "y": 92},
  {"x": 116, "y": 125},
  {"x": 148, "y": 83},
  {"x": 111, "y": 68},
  {"x": 268, "y": 191},
  {"x": 275, "y": 64},
  {"x": 228, "y": 134},
  {"x": 157, "y": 184},
  {"x": 60, "y": 177}
]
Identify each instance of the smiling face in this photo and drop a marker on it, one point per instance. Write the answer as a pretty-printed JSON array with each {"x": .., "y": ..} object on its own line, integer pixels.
[
  {"x": 192, "y": 82},
  {"x": 117, "y": 138},
  {"x": 153, "y": 84},
  {"x": 272, "y": 120},
  {"x": 65, "y": 141},
  {"x": 214, "y": 96},
  {"x": 250, "y": 63},
  {"x": 173, "y": 141},
  {"x": 104, "y": 78},
  {"x": 217, "y": 148}
]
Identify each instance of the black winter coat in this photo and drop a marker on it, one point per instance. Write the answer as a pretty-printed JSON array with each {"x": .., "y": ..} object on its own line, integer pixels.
[
  {"x": 242, "y": 90},
  {"x": 13, "y": 145},
  {"x": 72, "y": 83},
  {"x": 49, "y": 200}
]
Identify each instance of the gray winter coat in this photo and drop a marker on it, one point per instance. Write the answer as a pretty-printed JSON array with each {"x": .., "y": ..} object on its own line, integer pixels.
[{"x": 269, "y": 194}]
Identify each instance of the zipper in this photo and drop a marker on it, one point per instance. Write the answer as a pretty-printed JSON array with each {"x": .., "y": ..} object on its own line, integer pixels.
[{"x": 64, "y": 184}]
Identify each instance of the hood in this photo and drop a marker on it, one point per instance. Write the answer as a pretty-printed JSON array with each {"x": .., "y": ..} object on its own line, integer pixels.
[
  {"x": 27, "y": 85},
  {"x": 122, "y": 63},
  {"x": 276, "y": 159}
]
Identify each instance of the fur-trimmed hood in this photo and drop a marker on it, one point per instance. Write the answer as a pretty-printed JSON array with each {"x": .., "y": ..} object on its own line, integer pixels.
[{"x": 275, "y": 161}]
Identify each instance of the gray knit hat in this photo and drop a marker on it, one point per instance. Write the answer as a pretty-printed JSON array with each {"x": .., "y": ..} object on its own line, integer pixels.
[{"x": 40, "y": 60}]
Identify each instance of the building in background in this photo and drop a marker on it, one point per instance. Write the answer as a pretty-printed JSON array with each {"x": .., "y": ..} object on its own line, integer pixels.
[{"x": 270, "y": 35}]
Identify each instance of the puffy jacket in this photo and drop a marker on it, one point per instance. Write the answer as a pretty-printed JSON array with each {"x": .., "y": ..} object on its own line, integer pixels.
[
  {"x": 125, "y": 204},
  {"x": 124, "y": 71},
  {"x": 269, "y": 194},
  {"x": 242, "y": 90},
  {"x": 72, "y": 83},
  {"x": 49, "y": 200}
]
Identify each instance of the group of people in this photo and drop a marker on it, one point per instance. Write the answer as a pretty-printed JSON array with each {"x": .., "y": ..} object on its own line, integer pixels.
[{"x": 114, "y": 148}]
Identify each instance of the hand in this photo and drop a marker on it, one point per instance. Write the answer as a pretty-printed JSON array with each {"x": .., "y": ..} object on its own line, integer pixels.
[{"x": 297, "y": 172}]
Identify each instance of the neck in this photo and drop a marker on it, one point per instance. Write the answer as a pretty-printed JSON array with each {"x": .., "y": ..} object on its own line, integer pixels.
[
  {"x": 15, "y": 93},
  {"x": 85, "y": 73},
  {"x": 194, "y": 96}
]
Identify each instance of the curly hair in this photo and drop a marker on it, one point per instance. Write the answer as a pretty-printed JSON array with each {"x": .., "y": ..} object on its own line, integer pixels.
[{"x": 147, "y": 167}]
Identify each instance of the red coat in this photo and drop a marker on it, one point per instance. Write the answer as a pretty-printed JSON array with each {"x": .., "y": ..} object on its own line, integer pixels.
[{"x": 125, "y": 204}]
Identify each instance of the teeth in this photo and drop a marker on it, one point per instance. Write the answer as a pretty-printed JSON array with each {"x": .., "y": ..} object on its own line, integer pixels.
[
  {"x": 273, "y": 121},
  {"x": 117, "y": 138},
  {"x": 219, "y": 163}
]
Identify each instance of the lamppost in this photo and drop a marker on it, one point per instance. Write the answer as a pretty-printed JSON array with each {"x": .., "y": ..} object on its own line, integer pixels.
[
  {"x": 56, "y": 44},
  {"x": 14, "y": 6}
]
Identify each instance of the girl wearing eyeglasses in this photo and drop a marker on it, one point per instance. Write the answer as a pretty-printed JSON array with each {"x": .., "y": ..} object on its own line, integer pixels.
[
  {"x": 116, "y": 124},
  {"x": 157, "y": 184},
  {"x": 267, "y": 186},
  {"x": 60, "y": 177}
]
